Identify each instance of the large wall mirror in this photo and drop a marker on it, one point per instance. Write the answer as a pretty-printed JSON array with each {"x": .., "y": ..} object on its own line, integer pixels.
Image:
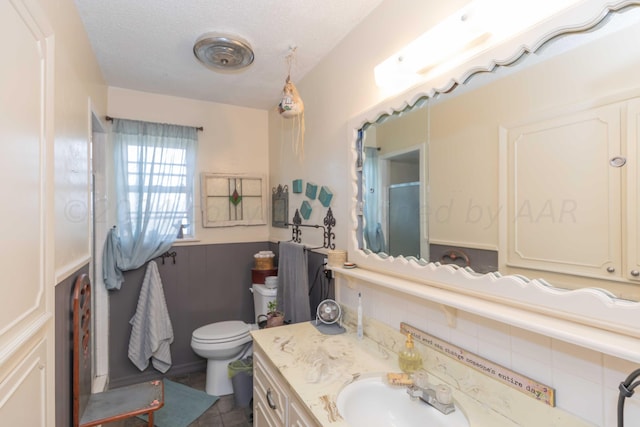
[{"x": 544, "y": 147}]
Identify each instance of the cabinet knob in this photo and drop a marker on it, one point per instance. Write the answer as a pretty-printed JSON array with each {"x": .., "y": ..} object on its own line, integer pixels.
[
  {"x": 618, "y": 161},
  {"x": 270, "y": 401},
  {"x": 611, "y": 270},
  {"x": 635, "y": 273}
]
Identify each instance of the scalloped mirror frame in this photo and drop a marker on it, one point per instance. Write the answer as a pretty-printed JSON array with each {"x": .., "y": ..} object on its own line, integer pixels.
[{"x": 590, "y": 317}]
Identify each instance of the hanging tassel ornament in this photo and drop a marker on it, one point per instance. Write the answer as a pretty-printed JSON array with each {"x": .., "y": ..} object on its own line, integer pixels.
[{"x": 291, "y": 106}]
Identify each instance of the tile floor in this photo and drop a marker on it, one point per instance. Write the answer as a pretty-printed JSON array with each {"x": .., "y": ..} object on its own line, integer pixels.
[{"x": 223, "y": 413}]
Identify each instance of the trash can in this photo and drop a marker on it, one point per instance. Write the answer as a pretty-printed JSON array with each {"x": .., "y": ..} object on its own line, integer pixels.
[{"x": 241, "y": 374}]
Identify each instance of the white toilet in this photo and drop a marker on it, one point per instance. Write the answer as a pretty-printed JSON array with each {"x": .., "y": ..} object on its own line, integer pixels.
[{"x": 223, "y": 342}]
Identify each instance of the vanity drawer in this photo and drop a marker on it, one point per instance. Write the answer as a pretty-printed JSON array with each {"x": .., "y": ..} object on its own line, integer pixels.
[
  {"x": 269, "y": 394},
  {"x": 298, "y": 417}
]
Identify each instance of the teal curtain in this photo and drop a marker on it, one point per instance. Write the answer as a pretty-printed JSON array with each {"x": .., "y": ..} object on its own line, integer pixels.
[
  {"x": 154, "y": 168},
  {"x": 373, "y": 234}
]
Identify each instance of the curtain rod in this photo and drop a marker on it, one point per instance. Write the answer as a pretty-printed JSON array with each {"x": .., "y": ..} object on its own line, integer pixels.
[{"x": 110, "y": 119}]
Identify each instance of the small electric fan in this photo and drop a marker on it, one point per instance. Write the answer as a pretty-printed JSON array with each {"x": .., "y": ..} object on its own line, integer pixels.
[{"x": 328, "y": 317}]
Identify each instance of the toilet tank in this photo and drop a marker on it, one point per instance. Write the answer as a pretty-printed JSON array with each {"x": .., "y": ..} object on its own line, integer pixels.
[{"x": 261, "y": 297}]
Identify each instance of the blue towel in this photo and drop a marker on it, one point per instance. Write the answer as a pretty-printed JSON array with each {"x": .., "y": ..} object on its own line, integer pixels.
[
  {"x": 111, "y": 274},
  {"x": 293, "y": 283}
]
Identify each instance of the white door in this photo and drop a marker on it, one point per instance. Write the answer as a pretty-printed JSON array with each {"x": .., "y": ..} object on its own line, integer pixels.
[{"x": 26, "y": 257}]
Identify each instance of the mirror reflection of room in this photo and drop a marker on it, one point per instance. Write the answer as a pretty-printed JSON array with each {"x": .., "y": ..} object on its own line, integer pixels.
[{"x": 395, "y": 179}]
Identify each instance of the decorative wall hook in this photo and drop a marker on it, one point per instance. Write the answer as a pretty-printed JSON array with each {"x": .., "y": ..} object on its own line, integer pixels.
[{"x": 169, "y": 254}]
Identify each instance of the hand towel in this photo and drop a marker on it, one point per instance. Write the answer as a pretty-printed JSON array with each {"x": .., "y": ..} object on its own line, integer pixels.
[
  {"x": 151, "y": 333},
  {"x": 293, "y": 282}
]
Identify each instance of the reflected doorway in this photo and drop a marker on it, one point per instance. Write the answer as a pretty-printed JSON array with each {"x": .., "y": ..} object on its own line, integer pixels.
[{"x": 400, "y": 177}]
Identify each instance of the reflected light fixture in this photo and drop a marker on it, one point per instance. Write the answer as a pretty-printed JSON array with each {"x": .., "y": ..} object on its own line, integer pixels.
[{"x": 481, "y": 24}]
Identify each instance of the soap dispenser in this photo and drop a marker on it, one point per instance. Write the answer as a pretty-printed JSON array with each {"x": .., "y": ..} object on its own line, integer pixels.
[{"x": 409, "y": 359}]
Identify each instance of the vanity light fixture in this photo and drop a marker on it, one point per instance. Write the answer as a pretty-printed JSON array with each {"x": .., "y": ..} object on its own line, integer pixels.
[
  {"x": 480, "y": 25},
  {"x": 449, "y": 38}
]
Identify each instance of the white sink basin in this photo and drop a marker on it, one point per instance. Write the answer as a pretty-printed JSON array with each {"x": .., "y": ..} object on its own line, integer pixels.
[{"x": 370, "y": 402}]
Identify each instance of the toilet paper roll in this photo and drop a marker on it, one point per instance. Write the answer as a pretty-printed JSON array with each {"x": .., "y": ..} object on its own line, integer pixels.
[{"x": 271, "y": 282}]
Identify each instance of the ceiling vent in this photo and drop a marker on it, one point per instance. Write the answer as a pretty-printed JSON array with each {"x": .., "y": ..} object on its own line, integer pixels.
[{"x": 223, "y": 52}]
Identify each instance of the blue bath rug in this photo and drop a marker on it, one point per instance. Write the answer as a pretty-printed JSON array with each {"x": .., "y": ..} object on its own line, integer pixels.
[{"x": 182, "y": 405}]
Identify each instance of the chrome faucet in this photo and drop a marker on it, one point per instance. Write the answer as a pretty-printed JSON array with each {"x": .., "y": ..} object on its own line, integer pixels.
[{"x": 437, "y": 396}]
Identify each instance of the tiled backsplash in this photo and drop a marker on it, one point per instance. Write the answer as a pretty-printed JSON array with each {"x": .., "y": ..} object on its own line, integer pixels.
[{"x": 586, "y": 382}]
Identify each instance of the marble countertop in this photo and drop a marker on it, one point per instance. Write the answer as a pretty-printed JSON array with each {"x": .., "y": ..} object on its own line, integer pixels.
[{"x": 317, "y": 366}]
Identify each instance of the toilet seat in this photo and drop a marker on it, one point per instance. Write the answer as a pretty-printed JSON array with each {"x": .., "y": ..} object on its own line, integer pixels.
[{"x": 222, "y": 332}]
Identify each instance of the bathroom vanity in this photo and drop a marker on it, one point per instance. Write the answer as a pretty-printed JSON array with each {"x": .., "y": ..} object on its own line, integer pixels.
[
  {"x": 299, "y": 372},
  {"x": 274, "y": 402}
]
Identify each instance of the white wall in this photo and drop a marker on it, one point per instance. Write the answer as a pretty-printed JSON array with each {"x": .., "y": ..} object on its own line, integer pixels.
[
  {"x": 234, "y": 141},
  {"x": 79, "y": 87},
  {"x": 340, "y": 88},
  {"x": 336, "y": 90}
]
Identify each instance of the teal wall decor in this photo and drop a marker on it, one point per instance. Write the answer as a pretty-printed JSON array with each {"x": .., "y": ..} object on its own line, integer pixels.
[
  {"x": 325, "y": 196},
  {"x": 305, "y": 210},
  {"x": 297, "y": 185},
  {"x": 312, "y": 190}
]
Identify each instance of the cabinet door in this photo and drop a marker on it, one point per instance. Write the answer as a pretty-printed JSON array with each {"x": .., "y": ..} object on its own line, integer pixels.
[
  {"x": 261, "y": 415},
  {"x": 563, "y": 195},
  {"x": 298, "y": 416},
  {"x": 632, "y": 267},
  {"x": 269, "y": 394}
]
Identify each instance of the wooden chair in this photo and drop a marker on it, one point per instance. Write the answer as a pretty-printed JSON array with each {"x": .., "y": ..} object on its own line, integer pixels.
[{"x": 111, "y": 405}]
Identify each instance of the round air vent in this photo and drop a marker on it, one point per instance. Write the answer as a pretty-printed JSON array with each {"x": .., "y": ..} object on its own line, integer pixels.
[{"x": 223, "y": 52}]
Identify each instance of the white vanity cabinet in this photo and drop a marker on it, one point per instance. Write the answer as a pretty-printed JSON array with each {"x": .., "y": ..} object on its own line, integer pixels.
[
  {"x": 274, "y": 404},
  {"x": 571, "y": 193}
]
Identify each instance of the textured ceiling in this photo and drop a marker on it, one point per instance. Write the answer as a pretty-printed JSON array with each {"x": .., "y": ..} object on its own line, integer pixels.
[{"x": 147, "y": 45}]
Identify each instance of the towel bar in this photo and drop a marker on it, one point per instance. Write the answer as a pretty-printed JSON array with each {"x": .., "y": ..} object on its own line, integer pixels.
[{"x": 328, "y": 235}]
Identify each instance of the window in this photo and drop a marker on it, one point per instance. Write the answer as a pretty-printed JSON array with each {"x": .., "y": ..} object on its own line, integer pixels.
[
  {"x": 154, "y": 168},
  {"x": 158, "y": 181}
]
